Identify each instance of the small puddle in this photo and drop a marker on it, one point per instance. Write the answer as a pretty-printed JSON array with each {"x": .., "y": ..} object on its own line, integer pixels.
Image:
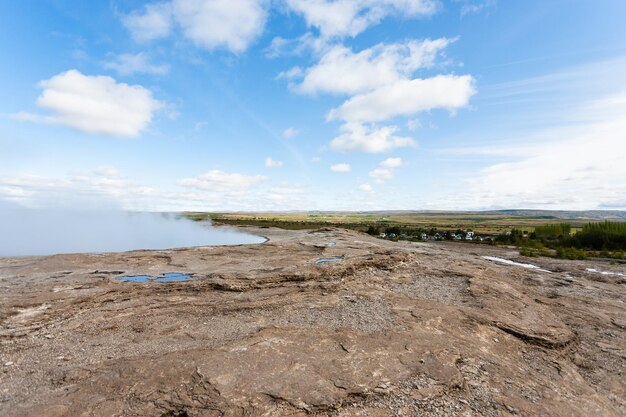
[
  {"x": 167, "y": 277},
  {"x": 329, "y": 260},
  {"x": 509, "y": 262},
  {"x": 135, "y": 278}
]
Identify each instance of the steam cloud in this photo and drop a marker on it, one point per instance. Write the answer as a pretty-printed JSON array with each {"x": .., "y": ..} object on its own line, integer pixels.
[{"x": 25, "y": 232}]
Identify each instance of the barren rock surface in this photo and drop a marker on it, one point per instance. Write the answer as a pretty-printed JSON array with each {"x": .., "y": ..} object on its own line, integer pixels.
[{"x": 406, "y": 329}]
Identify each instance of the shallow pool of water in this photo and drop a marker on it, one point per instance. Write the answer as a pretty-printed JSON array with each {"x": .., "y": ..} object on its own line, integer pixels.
[
  {"x": 167, "y": 277},
  {"x": 329, "y": 260},
  {"x": 135, "y": 278}
]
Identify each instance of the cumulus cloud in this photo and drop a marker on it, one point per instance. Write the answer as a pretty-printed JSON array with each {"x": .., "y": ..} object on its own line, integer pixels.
[
  {"x": 129, "y": 64},
  {"x": 342, "y": 71},
  {"x": 233, "y": 24},
  {"x": 339, "y": 18},
  {"x": 271, "y": 163},
  {"x": 216, "y": 180},
  {"x": 230, "y": 24},
  {"x": 381, "y": 85},
  {"x": 358, "y": 137},
  {"x": 407, "y": 97},
  {"x": 94, "y": 104},
  {"x": 341, "y": 168},
  {"x": 386, "y": 170},
  {"x": 365, "y": 187}
]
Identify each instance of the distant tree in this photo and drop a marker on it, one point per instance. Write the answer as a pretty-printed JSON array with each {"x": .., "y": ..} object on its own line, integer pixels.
[
  {"x": 373, "y": 230},
  {"x": 602, "y": 236},
  {"x": 393, "y": 230},
  {"x": 552, "y": 231}
]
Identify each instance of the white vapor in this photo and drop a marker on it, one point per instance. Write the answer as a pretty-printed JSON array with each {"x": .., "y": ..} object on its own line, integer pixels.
[{"x": 46, "y": 232}]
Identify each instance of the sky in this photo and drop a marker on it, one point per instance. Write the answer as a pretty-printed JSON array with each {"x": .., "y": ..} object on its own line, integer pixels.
[{"x": 270, "y": 105}]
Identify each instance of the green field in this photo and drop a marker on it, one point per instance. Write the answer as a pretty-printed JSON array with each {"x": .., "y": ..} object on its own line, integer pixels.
[{"x": 488, "y": 222}]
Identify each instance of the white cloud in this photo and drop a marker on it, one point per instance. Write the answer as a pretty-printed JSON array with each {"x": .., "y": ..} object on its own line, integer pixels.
[
  {"x": 587, "y": 177},
  {"x": 290, "y": 132},
  {"x": 153, "y": 23},
  {"x": 102, "y": 188},
  {"x": 290, "y": 74},
  {"x": 270, "y": 163},
  {"x": 278, "y": 47},
  {"x": 129, "y": 64},
  {"x": 94, "y": 104},
  {"x": 475, "y": 6},
  {"x": 386, "y": 170},
  {"x": 220, "y": 181},
  {"x": 413, "y": 124},
  {"x": 107, "y": 171},
  {"x": 96, "y": 191},
  {"x": 341, "y": 71},
  {"x": 392, "y": 163},
  {"x": 379, "y": 80},
  {"x": 407, "y": 97},
  {"x": 365, "y": 187},
  {"x": 284, "y": 190},
  {"x": 381, "y": 174},
  {"x": 578, "y": 165},
  {"x": 341, "y": 168},
  {"x": 231, "y": 24},
  {"x": 106, "y": 188},
  {"x": 198, "y": 126},
  {"x": 337, "y": 18},
  {"x": 585, "y": 181},
  {"x": 356, "y": 137},
  {"x": 286, "y": 196}
]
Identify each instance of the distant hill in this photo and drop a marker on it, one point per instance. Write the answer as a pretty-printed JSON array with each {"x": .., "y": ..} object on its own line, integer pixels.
[
  {"x": 618, "y": 215},
  {"x": 561, "y": 214}
]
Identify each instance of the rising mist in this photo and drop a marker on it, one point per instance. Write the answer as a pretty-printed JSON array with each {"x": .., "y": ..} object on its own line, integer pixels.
[{"x": 26, "y": 231}]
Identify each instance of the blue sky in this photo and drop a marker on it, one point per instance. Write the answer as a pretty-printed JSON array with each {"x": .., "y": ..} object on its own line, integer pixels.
[{"x": 313, "y": 105}]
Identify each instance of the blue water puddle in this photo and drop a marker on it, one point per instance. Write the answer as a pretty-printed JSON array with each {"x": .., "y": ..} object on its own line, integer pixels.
[
  {"x": 329, "y": 260},
  {"x": 173, "y": 277},
  {"x": 167, "y": 277},
  {"x": 135, "y": 278}
]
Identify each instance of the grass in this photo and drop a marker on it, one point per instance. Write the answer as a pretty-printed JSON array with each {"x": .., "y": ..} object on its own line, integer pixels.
[{"x": 479, "y": 222}]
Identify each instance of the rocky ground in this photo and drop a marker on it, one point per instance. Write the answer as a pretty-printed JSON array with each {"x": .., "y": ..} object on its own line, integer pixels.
[{"x": 394, "y": 329}]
